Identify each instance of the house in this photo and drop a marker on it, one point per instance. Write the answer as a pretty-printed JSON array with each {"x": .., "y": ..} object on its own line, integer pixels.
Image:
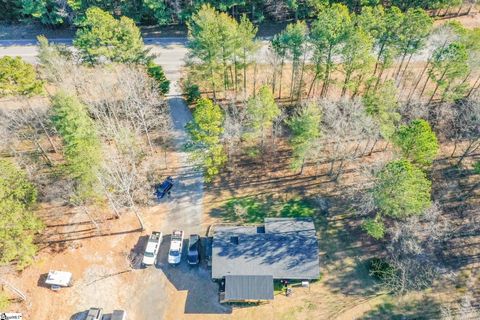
[{"x": 249, "y": 258}]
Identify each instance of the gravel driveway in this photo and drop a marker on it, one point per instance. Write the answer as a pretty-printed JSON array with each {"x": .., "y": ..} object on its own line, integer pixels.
[{"x": 159, "y": 286}]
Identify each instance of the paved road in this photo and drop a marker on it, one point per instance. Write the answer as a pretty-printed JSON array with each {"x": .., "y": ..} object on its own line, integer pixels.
[{"x": 171, "y": 50}]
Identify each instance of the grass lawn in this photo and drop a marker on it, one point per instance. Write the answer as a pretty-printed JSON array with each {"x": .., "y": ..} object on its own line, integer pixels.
[{"x": 255, "y": 209}]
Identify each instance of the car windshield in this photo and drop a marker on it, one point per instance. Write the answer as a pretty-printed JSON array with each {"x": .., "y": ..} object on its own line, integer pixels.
[
  {"x": 174, "y": 253},
  {"x": 148, "y": 254}
]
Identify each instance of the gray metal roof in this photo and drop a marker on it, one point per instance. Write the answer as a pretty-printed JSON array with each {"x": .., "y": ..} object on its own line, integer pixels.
[
  {"x": 287, "y": 250},
  {"x": 248, "y": 288}
]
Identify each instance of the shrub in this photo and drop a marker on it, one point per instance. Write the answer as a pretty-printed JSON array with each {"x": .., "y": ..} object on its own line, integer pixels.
[
  {"x": 18, "y": 78},
  {"x": 374, "y": 227},
  {"x": 192, "y": 91},
  {"x": 380, "y": 269},
  {"x": 156, "y": 72}
]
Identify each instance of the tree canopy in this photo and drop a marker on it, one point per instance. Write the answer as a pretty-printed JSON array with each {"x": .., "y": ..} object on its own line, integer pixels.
[
  {"x": 18, "y": 78},
  {"x": 417, "y": 142},
  {"x": 206, "y": 130},
  {"x": 305, "y": 127},
  {"x": 82, "y": 145},
  {"x": 18, "y": 222},
  {"x": 402, "y": 190},
  {"x": 102, "y": 37}
]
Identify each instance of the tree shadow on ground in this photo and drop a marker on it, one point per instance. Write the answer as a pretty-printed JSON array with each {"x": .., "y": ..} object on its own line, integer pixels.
[
  {"x": 202, "y": 292},
  {"x": 423, "y": 309},
  {"x": 353, "y": 279},
  {"x": 345, "y": 249}
]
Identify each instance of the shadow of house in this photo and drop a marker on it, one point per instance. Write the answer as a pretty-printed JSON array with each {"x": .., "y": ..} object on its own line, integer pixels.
[{"x": 202, "y": 292}]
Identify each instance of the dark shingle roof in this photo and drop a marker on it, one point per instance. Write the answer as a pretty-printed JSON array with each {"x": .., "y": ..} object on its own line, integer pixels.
[
  {"x": 248, "y": 288},
  {"x": 287, "y": 250}
]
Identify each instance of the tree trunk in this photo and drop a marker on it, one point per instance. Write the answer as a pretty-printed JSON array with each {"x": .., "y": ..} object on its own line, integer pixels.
[
  {"x": 471, "y": 147},
  {"x": 380, "y": 52},
  {"x": 339, "y": 169},
  {"x": 17, "y": 291},
  {"x": 281, "y": 79},
  {"x": 373, "y": 147},
  {"x": 274, "y": 78},
  {"x": 357, "y": 87},
  {"x": 137, "y": 214},
  {"x": 436, "y": 87},
  {"x": 244, "y": 73},
  {"x": 43, "y": 152},
  {"x": 401, "y": 64},
  {"x": 412, "y": 91},
  {"x": 112, "y": 204},
  {"x": 255, "y": 79},
  {"x": 459, "y": 10},
  {"x": 294, "y": 67},
  {"x": 327, "y": 73},
  {"x": 313, "y": 82},
  {"x": 45, "y": 130},
  {"x": 470, "y": 9},
  {"x": 90, "y": 217},
  {"x": 213, "y": 85},
  {"x": 379, "y": 78},
  {"x": 408, "y": 63},
  {"x": 454, "y": 148},
  {"x": 474, "y": 87},
  {"x": 299, "y": 94},
  {"x": 345, "y": 83}
]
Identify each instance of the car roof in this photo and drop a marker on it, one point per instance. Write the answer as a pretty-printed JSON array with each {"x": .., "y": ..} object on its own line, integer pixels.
[{"x": 175, "y": 246}]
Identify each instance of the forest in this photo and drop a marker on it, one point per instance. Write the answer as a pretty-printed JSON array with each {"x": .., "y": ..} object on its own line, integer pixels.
[
  {"x": 364, "y": 115},
  {"x": 68, "y": 12}
]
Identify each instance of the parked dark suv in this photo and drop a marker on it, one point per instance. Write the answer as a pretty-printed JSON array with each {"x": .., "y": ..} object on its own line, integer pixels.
[
  {"x": 163, "y": 188},
  {"x": 193, "y": 256}
]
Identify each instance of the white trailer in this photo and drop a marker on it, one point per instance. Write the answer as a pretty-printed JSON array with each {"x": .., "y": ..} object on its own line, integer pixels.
[
  {"x": 58, "y": 279},
  {"x": 151, "y": 251},
  {"x": 176, "y": 245}
]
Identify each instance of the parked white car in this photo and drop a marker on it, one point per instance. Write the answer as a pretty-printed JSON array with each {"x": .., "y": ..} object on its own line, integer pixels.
[
  {"x": 176, "y": 245},
  {"x": 151, "y": 251}
]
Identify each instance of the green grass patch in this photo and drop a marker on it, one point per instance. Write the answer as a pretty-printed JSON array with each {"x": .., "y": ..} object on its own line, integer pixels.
[{"x": 256, "y": 209}]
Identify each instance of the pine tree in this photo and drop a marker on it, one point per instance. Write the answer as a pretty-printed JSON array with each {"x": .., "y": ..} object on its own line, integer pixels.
[
  {"x": 305, "y": 128},
  {"x": 82, "y": 146},
  {"x": 262, "y": 110},
  {"x": 417, "y": 142},
  {"x": 329, "y": 32},
  {"x": 18, "y": 78},
  {"x": 205, "y": 131},
  {"x": 18, "y": 223},
  {"x": 402, "y": 190},
  {"x": 102, "y": 37}
]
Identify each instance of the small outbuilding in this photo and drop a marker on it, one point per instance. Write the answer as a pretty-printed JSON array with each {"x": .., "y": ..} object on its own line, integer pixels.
[{"x": 58, "y": 279}]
